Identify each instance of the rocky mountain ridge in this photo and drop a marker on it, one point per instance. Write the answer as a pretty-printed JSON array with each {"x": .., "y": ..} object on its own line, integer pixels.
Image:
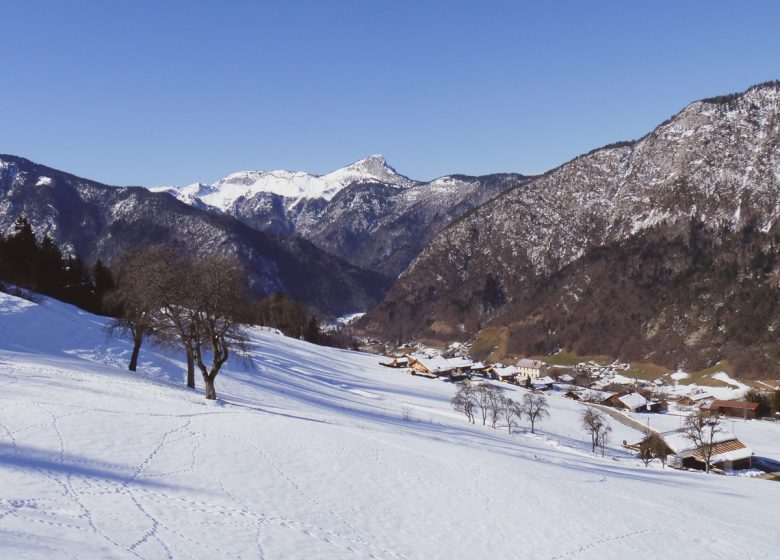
[
  {"x": 366, "y": 213},
  {"x": 717, "y": 162},
  {"x": 99, "y": 221}
]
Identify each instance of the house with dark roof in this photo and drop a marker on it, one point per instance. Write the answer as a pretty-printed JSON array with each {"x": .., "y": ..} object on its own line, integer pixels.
[
  {"x": 682, "y": 453},
  {"x": 627, "y": 400},
  {"x": 735, "y": 409}
]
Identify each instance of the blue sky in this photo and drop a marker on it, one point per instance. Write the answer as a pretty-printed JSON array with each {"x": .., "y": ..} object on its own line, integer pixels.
[{"x": 155, "y": 93}]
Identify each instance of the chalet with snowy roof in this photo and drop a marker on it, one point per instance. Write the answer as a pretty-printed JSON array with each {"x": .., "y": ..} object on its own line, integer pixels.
[
  {"x": 695, "y": 399},
  {"x": 435, "y": 366},
  {"x": 531, "y": 369},
  {"x": 565, "y": 378},
  {"x": 588, "y": 395},
  {"x": 400, "y": 362},
  {"x": 542, "y": 383},
  {"x": 480, "y": 368},
  {"x": 735, "y": 409},
  {"x": 504, "y": 373},
  {"x": 627, "y": 400},
  {"x": 727, "y": 451}
]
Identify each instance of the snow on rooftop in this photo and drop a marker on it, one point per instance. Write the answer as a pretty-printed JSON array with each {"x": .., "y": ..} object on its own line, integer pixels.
[
  {"x": 633, "y": 401},
  {"x": 681, "y": 445},
  {"x": 528, "y": 363}
]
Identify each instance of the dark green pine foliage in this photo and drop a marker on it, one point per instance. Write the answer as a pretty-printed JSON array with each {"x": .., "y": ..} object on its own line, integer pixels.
[{"x": 40, "y": 267}]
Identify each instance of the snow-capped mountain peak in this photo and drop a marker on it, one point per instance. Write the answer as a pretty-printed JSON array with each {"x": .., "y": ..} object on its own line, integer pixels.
[{"x": 289, "y": 184}]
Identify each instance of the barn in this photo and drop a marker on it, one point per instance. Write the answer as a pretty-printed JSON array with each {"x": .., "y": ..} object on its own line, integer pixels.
[{"x": 728, "y": 452}]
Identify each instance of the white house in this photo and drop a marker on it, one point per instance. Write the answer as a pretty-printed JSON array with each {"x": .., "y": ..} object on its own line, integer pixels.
[{"x": 531, "y": 369}]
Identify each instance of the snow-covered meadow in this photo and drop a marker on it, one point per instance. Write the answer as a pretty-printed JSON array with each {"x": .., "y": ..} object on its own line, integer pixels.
[{"x": 321, "y": 453}]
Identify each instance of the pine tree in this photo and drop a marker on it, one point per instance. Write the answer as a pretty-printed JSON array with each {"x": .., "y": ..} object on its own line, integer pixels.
[
  {"x": 20, "y": 251},
  {"x": 104, "y": 283},
  {"x": 312, "y": 333},
  {"x": 47, "y": 269}
]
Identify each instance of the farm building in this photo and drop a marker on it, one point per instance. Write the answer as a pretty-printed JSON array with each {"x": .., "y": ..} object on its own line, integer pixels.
[
  {"x": 736, "y": 409},
  {"x": 400, "y": 362},
  {"x": 588, "y": 395},
  {"x": 695, "y": 399},
  {"x": 627, "y": 400},
  {"x": 503, "y": 373},
  {"x": 565, "y": 378},
  {"x": 480, "y": 368},
  {"x": 430, "y": 367},
  {"x": 727, "y": 453},
  {"x": 436, "y": 366},
  {"x": 542, "y": 383}
]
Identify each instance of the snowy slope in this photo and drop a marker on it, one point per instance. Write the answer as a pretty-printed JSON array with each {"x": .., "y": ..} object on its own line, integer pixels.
[
  {"x": 310, "y": 457},
  {"x": 295, "y": 185}
]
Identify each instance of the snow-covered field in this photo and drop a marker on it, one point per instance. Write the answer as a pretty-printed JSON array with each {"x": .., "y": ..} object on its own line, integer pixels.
[{"x": 321, "y": 453}]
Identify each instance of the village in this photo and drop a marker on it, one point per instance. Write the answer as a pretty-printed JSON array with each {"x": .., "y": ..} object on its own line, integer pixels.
[{"x": 605, "y": 387}]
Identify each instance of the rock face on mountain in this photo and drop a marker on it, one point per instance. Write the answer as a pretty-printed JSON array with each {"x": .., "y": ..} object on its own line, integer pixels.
[
  {"x": 99, "y": 221},
  {"x": 716, "y": 164},
  {"x": 365, "y": 213}
]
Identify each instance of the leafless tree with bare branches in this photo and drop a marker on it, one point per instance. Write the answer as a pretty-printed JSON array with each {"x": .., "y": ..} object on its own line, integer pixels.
[
  {"x": 465, "y": 400},
  {"x": 596, "y": 424},
  {"x": 535, "y": 408},
  {"x": 511, "y": 411},
  {"x": 701, "y": 430}
]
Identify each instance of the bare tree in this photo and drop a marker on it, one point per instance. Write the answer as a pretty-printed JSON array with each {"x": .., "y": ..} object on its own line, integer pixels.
[
  {"x": 496, "y": 401},
  {"x": 198, "y": 303},
  {"x": 604, "y": 437},
  {"x": 134, "y": 306},
  {"x": 161, "y": 274},
  {"x": 216, "y": 305},
  {"x": 511, "y": 410},
  {"x": 653, "y": 447},
  {"x": 535, "y": 408},
  {"x": 465, "y": 400},
  {"x": 487, "y": 396},
  {"x": 701, "y": 430},
  {"x": 483, "y": 401},
  {"x": 596, "y": 424}
]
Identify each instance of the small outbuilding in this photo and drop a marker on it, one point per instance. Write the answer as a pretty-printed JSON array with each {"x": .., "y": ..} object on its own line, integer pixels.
[
  {"x": 627, "y": 400},
  {"x": 735, "y": 409}
]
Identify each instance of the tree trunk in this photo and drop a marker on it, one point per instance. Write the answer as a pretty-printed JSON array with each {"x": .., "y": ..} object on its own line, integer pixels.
[
  {"x": 190, "y": 371},
  {"x": 134, "y": 357},
  {"x": 211, "y": 392}
]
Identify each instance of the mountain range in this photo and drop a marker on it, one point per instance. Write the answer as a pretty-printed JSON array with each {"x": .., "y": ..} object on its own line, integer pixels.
[
  {"x": 97, "y": 221},
  {"x": 334, "y": 242},
  {"x": 366, "y": 213},
  {"x": 660, "y": 249}
]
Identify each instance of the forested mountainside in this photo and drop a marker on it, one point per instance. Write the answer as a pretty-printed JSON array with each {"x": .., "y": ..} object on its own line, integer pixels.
[
  {"x": 97, "y": 221},
  {"x": 585, "y": 255},
  {"x": 365, "y": 213}
]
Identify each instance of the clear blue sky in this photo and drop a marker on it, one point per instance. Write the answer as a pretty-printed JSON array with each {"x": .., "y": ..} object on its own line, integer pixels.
[{"x": 166, "y": 92}]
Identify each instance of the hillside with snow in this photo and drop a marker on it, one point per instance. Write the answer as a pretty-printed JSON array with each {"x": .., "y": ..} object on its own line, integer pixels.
[{"x": 320, "y": 453}]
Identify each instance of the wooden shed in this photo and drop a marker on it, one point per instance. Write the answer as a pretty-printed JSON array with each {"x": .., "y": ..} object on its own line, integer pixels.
[{"x": 735, "y": 409}]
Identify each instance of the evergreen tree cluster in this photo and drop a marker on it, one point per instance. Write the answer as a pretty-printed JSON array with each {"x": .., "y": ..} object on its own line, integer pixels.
[{"x": 41, "y": 267}]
